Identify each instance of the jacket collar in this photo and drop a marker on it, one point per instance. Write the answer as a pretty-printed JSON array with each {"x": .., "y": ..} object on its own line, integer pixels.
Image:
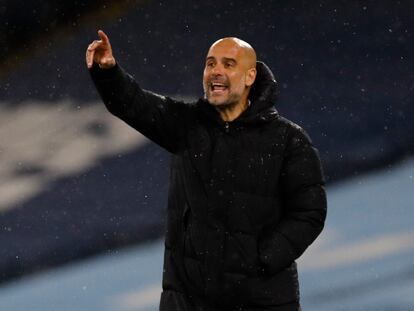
[{"x": 263, "y": 95}]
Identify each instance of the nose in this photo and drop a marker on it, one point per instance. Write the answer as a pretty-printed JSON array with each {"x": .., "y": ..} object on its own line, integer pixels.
[{"x": 217, "y": 70}]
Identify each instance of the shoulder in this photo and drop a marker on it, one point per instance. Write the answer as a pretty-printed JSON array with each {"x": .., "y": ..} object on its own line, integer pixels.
[{"x": 294, "y": 134}]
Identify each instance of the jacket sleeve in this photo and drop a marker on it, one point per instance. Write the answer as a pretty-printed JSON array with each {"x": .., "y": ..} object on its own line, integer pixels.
[
  {"x": 159, "y": 118},
  {"x": 304, "y": 204}
]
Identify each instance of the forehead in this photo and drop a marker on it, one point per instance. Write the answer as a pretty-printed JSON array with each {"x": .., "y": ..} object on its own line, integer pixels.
[{"x": 225, "y": 49}]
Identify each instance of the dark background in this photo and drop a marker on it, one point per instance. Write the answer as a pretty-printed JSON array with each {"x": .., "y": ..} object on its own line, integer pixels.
[{"x": 345, "y": 70}]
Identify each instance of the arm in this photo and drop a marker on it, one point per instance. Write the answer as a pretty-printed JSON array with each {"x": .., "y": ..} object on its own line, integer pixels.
[
  {"x": 157, "y": 117},
  {"x": 304, "y": 204}
]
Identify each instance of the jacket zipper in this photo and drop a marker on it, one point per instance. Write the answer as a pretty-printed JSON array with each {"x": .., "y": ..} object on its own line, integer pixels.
[{"x": 227, "y": 126}]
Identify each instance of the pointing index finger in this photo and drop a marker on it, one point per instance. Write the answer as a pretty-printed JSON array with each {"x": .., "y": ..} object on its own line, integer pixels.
[{"x": 103, "y": 37}]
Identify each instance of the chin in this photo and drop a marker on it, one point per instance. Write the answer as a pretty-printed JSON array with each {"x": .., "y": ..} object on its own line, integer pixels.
[
  {"x": 218, "y": 100},
  {"x": 218, "y": 103}
]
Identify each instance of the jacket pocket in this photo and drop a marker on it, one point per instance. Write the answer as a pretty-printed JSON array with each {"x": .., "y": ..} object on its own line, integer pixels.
[
  {"x": 241, "y": 254},
  {"x": 185, "y": 217},
  {"x": 248, "y": 215},
  {"x": 186, "y": 236}
]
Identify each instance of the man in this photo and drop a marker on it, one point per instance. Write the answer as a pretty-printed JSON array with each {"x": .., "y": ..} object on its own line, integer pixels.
[{"x": 246, "y": 193}]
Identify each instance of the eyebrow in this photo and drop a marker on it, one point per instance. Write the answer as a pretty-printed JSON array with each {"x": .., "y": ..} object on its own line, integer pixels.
[{"x": 226, "y": 59}]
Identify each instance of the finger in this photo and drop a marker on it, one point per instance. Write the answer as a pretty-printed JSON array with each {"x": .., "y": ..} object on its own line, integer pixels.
[
  {"x": 95, "y": 44},
  {"x": 89, "y": 58},
  {"x": 103, "y": 37}
]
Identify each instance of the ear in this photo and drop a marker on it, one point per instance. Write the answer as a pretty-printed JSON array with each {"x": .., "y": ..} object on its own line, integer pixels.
[{"x": 250, "y": 76}]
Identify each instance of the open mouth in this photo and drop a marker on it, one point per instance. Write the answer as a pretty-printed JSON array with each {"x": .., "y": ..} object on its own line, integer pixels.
[{"x": 218, "y": 88}]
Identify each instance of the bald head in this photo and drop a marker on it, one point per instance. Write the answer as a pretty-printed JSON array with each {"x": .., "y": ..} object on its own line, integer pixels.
[{"x": 245, "y": 50}]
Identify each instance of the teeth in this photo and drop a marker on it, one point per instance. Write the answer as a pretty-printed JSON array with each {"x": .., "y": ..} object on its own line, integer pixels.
[{"x": 218, "y": 85}]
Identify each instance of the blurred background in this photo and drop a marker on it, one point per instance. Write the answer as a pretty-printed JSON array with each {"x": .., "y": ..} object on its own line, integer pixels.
[{"x": 83, "y": 196}]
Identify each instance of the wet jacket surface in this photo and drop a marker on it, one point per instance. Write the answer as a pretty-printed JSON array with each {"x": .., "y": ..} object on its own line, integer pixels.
[{"x": 246, "y": 197}]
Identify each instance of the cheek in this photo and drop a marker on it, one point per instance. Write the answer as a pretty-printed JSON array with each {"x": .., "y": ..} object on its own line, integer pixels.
[{"x": 238, "y": 82}]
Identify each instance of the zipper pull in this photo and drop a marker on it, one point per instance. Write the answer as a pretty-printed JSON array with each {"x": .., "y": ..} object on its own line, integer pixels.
[{"x": 227, "y": 127}]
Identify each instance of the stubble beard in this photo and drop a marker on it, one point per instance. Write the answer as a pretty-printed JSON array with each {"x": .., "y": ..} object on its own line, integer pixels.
[{"x": 232, "y": 101}]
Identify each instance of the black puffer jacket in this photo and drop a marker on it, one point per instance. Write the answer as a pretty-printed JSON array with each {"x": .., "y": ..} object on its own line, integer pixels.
[{"x": 246, "y": 197}]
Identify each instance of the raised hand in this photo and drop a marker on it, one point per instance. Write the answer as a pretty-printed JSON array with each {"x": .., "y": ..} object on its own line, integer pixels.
[{"x": 100, "y": 52}]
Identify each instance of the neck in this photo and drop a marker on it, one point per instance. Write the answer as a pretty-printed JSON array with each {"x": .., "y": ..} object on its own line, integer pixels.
[{"x": 230, "y": 112}]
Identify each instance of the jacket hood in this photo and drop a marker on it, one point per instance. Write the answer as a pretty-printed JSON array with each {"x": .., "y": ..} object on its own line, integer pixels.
[{"x": 263, "y": 95}]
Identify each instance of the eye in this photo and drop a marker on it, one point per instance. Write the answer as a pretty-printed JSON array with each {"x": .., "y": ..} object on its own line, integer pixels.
[
  {"x": 210, "y": 64},
  {"x": 228, "y": 64}
]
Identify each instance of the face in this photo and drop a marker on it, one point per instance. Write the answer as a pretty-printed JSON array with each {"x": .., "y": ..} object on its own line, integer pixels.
[{"x": 226, "y": 77}]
